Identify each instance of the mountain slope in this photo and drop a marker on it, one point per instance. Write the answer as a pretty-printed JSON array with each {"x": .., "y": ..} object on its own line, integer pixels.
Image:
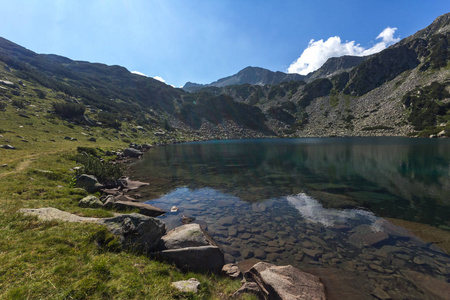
[{"x": 403, "y": 90}]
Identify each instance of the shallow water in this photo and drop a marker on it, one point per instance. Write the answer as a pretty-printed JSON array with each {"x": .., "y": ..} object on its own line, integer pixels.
[{"x": 317, "y": 204}]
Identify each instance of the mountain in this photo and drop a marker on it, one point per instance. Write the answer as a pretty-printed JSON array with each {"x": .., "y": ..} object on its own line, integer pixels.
[
  {"x": 248, "y": 75},
  {"x": 402, "y": 90},
  {"x": 335, "y": 65}
]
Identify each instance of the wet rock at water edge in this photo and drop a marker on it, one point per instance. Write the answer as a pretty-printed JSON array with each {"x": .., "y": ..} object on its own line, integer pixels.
[
  {"x": 196, "y": 259},
  {"x": 365, "y": 235},
  {"x": 189, "y": 235},
  {"x": 226, "y": 221},
  {"x": 88, "y": 182},
  {"x": 285, "y": 282},
  {"x": 136, "y": 231},
  {"x": 144, "y": 208},
  {"x": 260, "y": 254},
  {"x": 131, "y": 152},
  {"x": 313, "y": 253},
  {"x": 187, "y": 220},
  {"x": 232, "y": 270}
]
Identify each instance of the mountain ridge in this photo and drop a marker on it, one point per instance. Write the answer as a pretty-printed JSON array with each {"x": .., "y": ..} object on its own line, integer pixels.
[{"x": 402, "y": 90}]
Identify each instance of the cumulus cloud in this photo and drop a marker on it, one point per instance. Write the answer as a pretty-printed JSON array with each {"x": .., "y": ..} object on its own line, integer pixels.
[
  {"x": 317, "y": 52},
  {"x": 159, "y": 78}
]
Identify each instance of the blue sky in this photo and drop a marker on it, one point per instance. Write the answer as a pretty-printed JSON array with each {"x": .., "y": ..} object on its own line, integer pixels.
[{"x": 202, "y": 41}]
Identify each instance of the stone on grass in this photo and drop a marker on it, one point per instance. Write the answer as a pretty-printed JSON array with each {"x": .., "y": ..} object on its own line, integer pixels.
[
  {"x": 90, "y": 202},
  {"x": 285, "y": 282},
  {"x": 136, "y": 231},
  {"x": 50, "y": 214},
  {"x": 190, "y": 285},
  {"x": 88, "y": 182}
]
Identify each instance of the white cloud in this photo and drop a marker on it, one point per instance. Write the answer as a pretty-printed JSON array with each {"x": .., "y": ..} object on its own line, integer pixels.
[
  {"x": 317, "y": 52},
  {"x": 139, "y": 73},
  {"x": 159, "y": 78}
]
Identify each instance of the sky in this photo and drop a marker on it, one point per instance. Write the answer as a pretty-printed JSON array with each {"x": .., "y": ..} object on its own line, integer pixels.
[{"x": 177, "y": 41}]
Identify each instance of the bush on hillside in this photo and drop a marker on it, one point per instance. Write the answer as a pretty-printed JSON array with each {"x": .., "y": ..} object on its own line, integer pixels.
[{"x": 69, "y": 110}]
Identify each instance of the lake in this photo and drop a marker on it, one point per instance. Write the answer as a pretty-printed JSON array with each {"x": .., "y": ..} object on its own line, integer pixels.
[{"x": 327, "y": 205}]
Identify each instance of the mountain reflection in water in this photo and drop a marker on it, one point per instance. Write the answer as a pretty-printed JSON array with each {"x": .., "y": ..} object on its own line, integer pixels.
[{"x": 317, "y": 204}]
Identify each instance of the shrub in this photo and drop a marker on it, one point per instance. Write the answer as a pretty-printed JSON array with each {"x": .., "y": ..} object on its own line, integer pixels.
[
  {"x": 69, "y": 110},
  {"x": 19, "y": 104},
  {"x": 103, "y": 171}
]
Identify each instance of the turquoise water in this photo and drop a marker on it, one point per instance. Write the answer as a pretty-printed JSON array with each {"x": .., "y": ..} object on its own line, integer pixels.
[{"x": 313, "y": 203}]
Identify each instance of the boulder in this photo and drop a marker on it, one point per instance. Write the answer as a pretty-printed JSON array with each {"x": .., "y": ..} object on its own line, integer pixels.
[
  {"x": 8, "y": 147},
  {"x": 189, "y": 235},
  {"x": 196, "y": 259},
  {"x": 190, "y": 285},
  {"x": 88, "y": 182},
  {"x": 145, "y": 209},
  {"x": 90, "y": 202},
  {"x": 131, "y": 152},
  {"x": 285, "y": 282},
  {"x": 136, "y": 231}
]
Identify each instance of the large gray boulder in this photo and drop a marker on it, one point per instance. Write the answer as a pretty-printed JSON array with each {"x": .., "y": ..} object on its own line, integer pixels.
[
  {"x": 191, "y": 248},
  {"x": 285, "y": 282},
  {"x": 136, "y": 231},
  {"x": 196, "y": 259},
  {"x": 189, "y": 235},
  {"x": 88, "y": 182},
  {"x": 131, "y": 152}
]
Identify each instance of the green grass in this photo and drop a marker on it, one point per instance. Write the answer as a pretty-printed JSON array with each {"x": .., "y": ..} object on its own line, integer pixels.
[{"x": 57, "y": 260}]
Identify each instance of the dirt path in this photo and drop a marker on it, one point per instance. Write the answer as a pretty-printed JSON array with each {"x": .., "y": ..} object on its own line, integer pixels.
[{"x": 20, "y": 167}]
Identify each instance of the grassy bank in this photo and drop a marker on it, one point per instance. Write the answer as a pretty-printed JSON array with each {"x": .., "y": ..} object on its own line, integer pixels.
[{"x": 57, "y": 260}]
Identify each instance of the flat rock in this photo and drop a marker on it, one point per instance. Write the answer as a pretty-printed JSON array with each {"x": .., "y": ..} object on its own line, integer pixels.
[
  {"x": 144, "y": 208},
  {"x": 312, "y": 252},
  {"x": 285, "y": 282},
  {"x": 365, "y": 235},
  {"x": 226, "y": 221},
  {"x": 190, "y": 285},
  {"x": 50, "y": 213},
  {"x": 435, "y": 288},
  {"x": 341, "y": 284}
]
